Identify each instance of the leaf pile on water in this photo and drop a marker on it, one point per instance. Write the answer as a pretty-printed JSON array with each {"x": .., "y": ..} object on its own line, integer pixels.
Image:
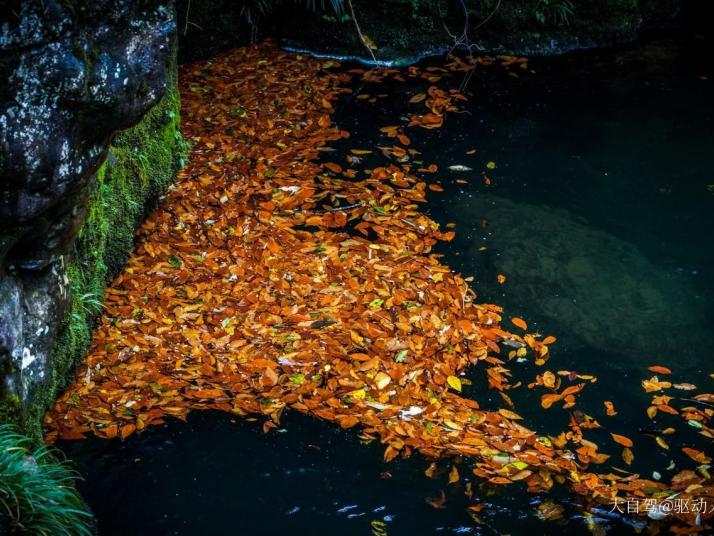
[{"x": 270, "y": 280}]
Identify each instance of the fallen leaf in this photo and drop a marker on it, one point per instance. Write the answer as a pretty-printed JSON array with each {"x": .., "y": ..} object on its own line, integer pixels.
[
  {"x": 622, "y": 440},
  {"x": 454, "y": 383}
]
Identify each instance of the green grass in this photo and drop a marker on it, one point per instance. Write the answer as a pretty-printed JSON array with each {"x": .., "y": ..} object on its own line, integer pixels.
[{"x": 37, "y": 494}]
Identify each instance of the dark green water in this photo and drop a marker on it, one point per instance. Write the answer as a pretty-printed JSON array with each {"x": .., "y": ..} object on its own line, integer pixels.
[{"x": 600, "y": 213}]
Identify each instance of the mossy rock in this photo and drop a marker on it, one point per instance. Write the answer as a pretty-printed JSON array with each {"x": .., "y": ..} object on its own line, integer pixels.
[{"x": 141, "y": 163}]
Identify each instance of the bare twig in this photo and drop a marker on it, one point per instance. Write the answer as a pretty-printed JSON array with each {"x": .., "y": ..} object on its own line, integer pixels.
[
  {"x": 697, "y": 401},
  {"x": 185, "y": 28},
  {"x": 484, "y": 21},
  {"x": 359, "y": 32},
  {"x": 462, "y": 40},
  {"x": 188, "y": 8}
]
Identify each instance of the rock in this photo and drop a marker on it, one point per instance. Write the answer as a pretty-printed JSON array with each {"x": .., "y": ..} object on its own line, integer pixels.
[
  {"x": 406, "y": 30},
  {"x": 74, "y": 74},
  {"x": 585, "y": 283}
]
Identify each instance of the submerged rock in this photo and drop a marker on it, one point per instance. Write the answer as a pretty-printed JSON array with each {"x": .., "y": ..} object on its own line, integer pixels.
[{"x": 596, "y": 286}]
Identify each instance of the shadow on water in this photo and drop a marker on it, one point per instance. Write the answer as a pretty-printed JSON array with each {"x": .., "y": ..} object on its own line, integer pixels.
[{"x": 600, "y": 213}]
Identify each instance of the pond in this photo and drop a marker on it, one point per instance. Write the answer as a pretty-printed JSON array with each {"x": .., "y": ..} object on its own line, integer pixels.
[{"x": 591, "y": 189}]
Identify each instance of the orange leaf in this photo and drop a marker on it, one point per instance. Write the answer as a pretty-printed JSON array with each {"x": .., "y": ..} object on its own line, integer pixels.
[
  {"x": 622, "y": 440},
  {"x": 127, "y": 430},
  {"x": 657, "y": 369},
  {"x": 610, "y": 408},
  {"x": 548, "y": 400},
  {"x": 520, "y": 323},
  {"x": 696, "y": 455}
]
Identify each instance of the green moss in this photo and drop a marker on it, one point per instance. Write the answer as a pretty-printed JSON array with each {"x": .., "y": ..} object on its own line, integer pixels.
[
  {"x": 10, "y": 408},
  {"x": 142, "y": 162}
]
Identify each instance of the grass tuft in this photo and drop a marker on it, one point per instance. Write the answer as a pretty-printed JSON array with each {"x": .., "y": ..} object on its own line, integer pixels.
[{"x": 37, "y": 494}]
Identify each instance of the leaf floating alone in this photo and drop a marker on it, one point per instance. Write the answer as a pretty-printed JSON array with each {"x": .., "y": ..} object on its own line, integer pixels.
[
  {"x": 684, "y": 386},
  {"x": 459, "y": 168},
  {"x": 501, "y": 278},
  {"x": 610, "y": 408},
  {"x": 622, "y": 440},
  {"x": 454, "y": 475},
  {"x": 519, "y": 322},
  {"x": 437, "y": 502},
  {"x": 695, "y": 424},
  {"x": 627, "y": 456},
  {"x": 657, "y": 369},
  {"x": 431, "y": 470},
  {"x": 696, "y": 455},
  {"x": 391, "y": 131},
  {"x": 661, "y": 442}
]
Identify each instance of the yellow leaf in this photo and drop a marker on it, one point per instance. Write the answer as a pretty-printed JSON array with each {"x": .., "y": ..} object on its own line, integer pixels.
[
  {"x": 454, "y": 475},
  {"x": 382, "y": 380},
  {"x": 367, "y": 40},
  {"x": 627, "y": 456},
  {"x": 653, "y": 384},
  {"x": 454, "y": 383},
  {"x": 549, "y": 379},
  {"x": 509, "y": 414}
]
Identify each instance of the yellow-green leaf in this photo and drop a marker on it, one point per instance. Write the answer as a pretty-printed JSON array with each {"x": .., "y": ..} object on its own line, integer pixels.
[{"x": 454, "y": 383}]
